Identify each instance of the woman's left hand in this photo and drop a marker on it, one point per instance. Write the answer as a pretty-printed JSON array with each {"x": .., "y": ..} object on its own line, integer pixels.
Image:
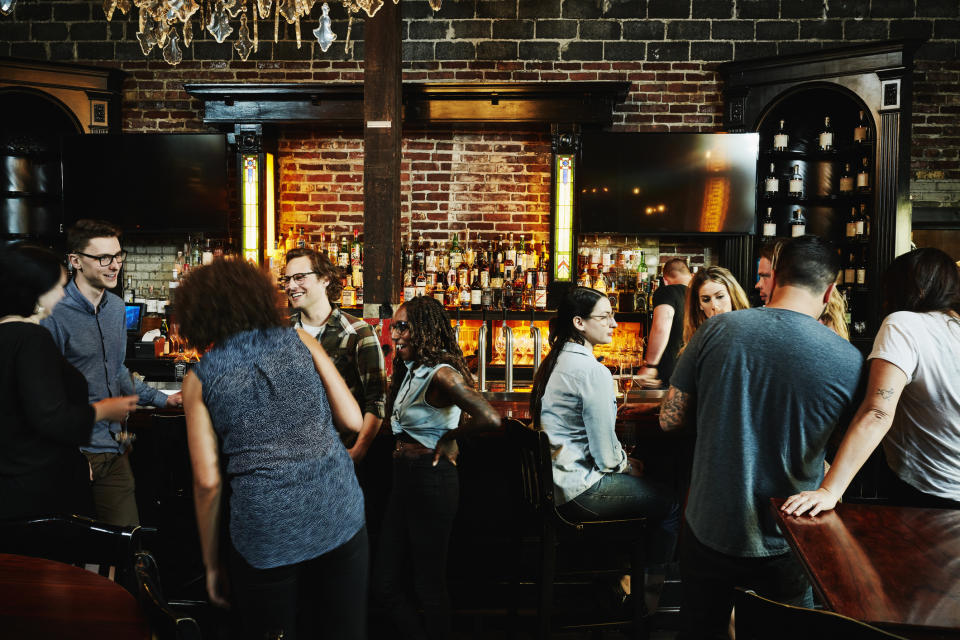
[{"x": 446, "y": 447}]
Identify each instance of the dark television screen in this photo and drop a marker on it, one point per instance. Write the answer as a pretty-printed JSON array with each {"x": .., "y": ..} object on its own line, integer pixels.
[
  {"x": 153, "y": 183},
  {"x": 667, "y": 183}
]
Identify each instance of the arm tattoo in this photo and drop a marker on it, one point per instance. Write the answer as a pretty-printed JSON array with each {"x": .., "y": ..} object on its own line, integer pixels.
[
  {"x": 673, "y": 411},
  {"x": 886, "y": 394}
]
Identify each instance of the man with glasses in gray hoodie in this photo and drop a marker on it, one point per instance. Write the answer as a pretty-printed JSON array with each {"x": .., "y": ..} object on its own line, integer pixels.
[{"x": 89, "y": 326}]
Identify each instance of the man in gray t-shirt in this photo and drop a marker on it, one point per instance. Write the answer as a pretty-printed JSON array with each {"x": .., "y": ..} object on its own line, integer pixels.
[{"x": 768, "y": 386}]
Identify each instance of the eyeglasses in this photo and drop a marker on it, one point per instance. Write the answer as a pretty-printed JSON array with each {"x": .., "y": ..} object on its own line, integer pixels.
[
  {"x": 607, "y": 317},
  {"x": 399, "y": 326},
  {"x": 107, "y": 259},
  {"x": 297, "y": 278}
]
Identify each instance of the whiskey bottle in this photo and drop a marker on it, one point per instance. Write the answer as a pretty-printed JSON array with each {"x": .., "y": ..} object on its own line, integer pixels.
[
  {"x": 343, "y": 255},
  {"x": 826, "y": 136},
  {"x": 772, "y": 183},
  {"x": 863, "y": 176},
  {"x": 796, "y": 183},
  {"x": 781, "y": 140},
  {"x": 409, "y": 286},
  {"x": 440, "y": 289},
  {"x": 865, "y": 216},
  {"x": 846, "y": 179},
  {"x": 862, "y": 269},
  {"x": 420, "y": 284},
  {"x": 769, "y": 228},
  {"x": 540, "y": 293},
  {"x": 852, "y": 225},
  {"x": 348, "y": 298},
  {"x": 850, "y": 271},
  {"x": 476, "y": 291},
  {"x": 798, "y": 224},
  {"x": 861, "y": 133},
  {"x": 128, "y": 293},
  {"x": 456, "y": 253},
  {"x": 465, "y": 295},
  {"x": 451, "y": 298}
]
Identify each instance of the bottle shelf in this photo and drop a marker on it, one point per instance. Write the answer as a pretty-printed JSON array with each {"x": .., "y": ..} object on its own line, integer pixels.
[
  {"x": 855, "y": 197},
  {"x": 840, "y": 154}
]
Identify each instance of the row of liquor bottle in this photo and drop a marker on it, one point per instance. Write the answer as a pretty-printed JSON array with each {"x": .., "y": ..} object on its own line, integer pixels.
[
  {"x": 826, "y": 140},
  {"x": 856, "y": 226},
  {"x": 849, "y": 182}
]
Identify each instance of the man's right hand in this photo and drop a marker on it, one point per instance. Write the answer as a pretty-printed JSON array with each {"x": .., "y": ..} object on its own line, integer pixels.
[
  {"x": 115, "y": 409},
  {"x": 647, "y": 378}
]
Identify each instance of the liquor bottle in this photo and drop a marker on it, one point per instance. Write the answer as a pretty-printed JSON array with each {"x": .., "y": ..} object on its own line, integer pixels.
[
  {"x": 859, "y": 224},
  {"x": 206, "y": 257},
  {"x": 476, "y": 291},
  {"x": 852, "y": 225},
  {"x": 863, "y": 176},
  {"x": 343, "y": 255},
  {"x": 487, "y": 297},
  {"x": 510, "y": 254},
  {"x": 826, "y": 136},
  {"x": 781, "y": 140},
  {"x": 348, "y": 297},
  {"x": 165, "y": 334},
  {"x": 431, "y": 259},
  {"x": 289, "y": 242},
  {"x": 865, "y": 216},
  {"x": 850, "y": 271},
  {"x": 798, "y": 224},
  {"x": 419, "y": 254},
  {"x": 465, "y": 298},
  {"x": 359, "y": 287},
  {"x": 529, "y": 255},
  {"x": 772, "y": 182},
  {"x": 769, "y": 225},
  {"x": 847, "y": 310},
  {"x": 584, "y": 280},
  {"x": 861, "y": 133},
  {"x": 456, "y": 253},
  {"x": 333, "y": 249},
  {"x": 440, "y": 289},
  {"x": 796, "y": 183},
  {"x": 540, "y": 292},
  {"x": 507, "y": 296},
  {"x": 409, "y": 286},
  {"x": 151, "y": 301},
  {"x": 420, "y": 284},
  {"x": 862, "y": 269},
  {"x": 452, "y": 294},
  {"x": 356, "y": 249},
  {"x": 846, "y": 179},
  {"x": 128, "y": 293},
  {"x": 407, "y": 257},
  {"x": 496, "y": 282},
  {"x": 162, "y": 300}
]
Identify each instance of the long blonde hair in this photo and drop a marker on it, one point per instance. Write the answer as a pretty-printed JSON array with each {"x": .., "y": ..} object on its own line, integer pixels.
[
  {"x": 834, "y": 315},
  {"x": 693, "y": 315}
]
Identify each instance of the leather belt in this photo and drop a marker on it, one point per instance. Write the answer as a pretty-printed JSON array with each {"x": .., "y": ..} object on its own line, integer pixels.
[{"x": 410, "y": 450}]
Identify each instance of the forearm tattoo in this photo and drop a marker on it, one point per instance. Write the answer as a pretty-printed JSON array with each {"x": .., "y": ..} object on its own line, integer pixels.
[
  {"x": 886, "y": 394},
  {"x": 674, "y": 409}
]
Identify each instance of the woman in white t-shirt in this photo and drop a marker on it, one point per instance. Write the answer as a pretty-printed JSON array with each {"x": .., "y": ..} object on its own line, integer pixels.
[{"x": 912, "y": 401}]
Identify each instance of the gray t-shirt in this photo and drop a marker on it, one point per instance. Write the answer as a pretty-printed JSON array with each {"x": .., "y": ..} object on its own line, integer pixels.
[{"x": 769, "y": 386}]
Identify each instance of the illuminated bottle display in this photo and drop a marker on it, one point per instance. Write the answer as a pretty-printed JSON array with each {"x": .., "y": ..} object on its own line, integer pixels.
[
  {"x": 772, "y": 183},
  {"x": 798, "y": 224},
  {"x": 769, "y": 225},
  {"x": 861, "y": 133},
  {"x": 796, "y": 183},
  {"x": 846, "y": 179},
  {"x": 863, "y": 175},
  {"x": 781, "y": 140},
  {"x": 825, "y": 138}
]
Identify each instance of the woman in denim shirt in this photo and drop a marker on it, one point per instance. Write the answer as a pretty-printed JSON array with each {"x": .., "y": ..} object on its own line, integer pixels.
[
  {"x": 431, "y": 386},
  {"x": 574, "y": 402}
]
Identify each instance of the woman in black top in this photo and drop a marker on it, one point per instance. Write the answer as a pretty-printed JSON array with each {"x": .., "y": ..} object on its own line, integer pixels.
[{"x": 43, "y": 399}]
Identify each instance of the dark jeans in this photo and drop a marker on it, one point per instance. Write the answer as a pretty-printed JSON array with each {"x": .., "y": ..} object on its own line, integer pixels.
[
  {"x": 619, "y": 495},
  {"x": 413, "y": 545},
  {"x": 709, "y": 577},
  {"x": 325, "y": 597}
]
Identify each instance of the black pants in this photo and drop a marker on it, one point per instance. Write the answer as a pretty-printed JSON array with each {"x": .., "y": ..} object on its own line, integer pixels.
[
  {"x": 709, "y": 578},
  {"x": 413, "y": 544},
  {"x": 325, "y": 597}
]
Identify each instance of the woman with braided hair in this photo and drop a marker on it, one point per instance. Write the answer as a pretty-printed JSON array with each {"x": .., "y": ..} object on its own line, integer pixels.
[{"x": 431, "y": 386}]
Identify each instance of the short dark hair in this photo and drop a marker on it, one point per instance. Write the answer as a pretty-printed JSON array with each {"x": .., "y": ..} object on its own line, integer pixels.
[
  {"x": 225, "y": 297},
  {"x": 27, "y": 271},
  {"x": 83, "y": 231},
  {"x": 922, "y": 280},
  {"x": 771, "y": 251},
  {"x": 809, "y": 262},
  {"x": 322, "y": 265},
  {"x": 675, "y": 266}
]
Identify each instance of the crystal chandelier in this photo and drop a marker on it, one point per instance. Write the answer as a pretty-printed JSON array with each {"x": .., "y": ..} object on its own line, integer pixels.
[{"x": 159, "y": 20}]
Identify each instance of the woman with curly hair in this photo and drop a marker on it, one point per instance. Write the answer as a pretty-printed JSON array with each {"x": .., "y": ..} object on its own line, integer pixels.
[
  {"x": 712, "y": 291},
  {"x": 298, "y": 552},
  {"x": 431, "y": 387}
]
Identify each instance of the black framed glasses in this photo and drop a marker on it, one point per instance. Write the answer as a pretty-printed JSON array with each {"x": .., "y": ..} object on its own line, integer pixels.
[
  {"x": 297, "y": 278},
  {"x": 400, "y": 326},
  {"x": 106, "y": 259}
]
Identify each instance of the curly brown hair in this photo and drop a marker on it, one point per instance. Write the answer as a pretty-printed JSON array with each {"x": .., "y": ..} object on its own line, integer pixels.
[
  {"x": 83, "y": 231},
  {"x": 322, "y": 266},
  {"x": 222, "y": 298},
  {"x": 432, "y": 336}
]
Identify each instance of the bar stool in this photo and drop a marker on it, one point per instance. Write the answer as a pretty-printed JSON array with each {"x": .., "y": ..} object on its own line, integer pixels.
[{"x": 537, "y": 493}]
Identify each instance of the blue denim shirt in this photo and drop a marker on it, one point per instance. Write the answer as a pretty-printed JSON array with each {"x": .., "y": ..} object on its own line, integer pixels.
[
  {"x": 95, "y": 342},
  {"x": 578, "y": 412},
  {"x": 417, "y": 417}
]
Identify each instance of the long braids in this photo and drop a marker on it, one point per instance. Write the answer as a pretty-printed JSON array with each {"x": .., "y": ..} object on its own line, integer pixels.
[
  {"x": 431, "y": 335},
  {"x": 579, "y": 301}
]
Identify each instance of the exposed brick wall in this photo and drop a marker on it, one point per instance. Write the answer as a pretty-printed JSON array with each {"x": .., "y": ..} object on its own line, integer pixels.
[{"x": 667, "y": 49}]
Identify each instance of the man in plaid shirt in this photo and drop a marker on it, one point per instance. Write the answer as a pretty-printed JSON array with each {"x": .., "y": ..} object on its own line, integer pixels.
[{"x": 311, "y": 282}]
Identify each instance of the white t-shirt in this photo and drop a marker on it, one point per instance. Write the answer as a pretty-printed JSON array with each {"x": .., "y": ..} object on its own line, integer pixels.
[{"x": 923, "y": 445}]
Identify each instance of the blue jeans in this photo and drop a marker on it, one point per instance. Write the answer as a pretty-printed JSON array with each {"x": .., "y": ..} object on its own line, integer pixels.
[
  {"x": 413, "y": 544},
  {"x": 619, "y": 495}
]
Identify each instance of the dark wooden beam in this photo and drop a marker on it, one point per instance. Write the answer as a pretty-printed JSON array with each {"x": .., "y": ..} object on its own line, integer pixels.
[{"x": 381, "y": 158}]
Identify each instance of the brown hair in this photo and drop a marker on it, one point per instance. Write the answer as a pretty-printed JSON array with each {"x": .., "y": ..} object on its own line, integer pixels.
[
  {"x": 222, "y": 298},
  {"x": 321, "y": 265},
  {"x": 922, "y": 280},
  {"x": 675, "y": 267},
  {"x": 693, "y": 315},
  {"x": 771, "y": 251},
  {"x": 83, "y": 231}
]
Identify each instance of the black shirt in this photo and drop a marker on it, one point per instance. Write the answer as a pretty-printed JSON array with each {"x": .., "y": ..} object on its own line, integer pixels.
[{"x": 674, "y": 295}]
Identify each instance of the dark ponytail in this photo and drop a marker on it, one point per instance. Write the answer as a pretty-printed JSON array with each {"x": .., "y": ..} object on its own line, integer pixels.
[{"x": 579, "y": 301}]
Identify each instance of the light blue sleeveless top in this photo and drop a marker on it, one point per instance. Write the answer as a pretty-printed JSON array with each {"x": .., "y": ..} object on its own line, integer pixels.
[{"x": 413, "y": 415}]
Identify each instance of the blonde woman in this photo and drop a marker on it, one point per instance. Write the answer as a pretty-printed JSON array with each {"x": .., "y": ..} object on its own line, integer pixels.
[
  {"x": 834, "y": 315},
  {"x": 712, "y": 291}
]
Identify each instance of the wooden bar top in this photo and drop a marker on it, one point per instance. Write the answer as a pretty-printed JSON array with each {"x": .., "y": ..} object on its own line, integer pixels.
[
  {"x": 46, "y": 599},
  {"x": 896, "y": 567}
]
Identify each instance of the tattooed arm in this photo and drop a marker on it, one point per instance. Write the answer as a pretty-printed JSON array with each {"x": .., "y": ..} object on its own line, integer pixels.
[
  {"x": 449, "y": 388},
  {"x": 868, "y": 428},
  {"x": 673, "y": 409}
]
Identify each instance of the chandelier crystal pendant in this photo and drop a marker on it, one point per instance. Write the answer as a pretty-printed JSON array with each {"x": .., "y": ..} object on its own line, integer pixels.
[{"x": 159, "y": 21}]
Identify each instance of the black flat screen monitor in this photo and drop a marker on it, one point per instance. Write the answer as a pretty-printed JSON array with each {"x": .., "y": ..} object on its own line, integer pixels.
[
  {"x": 667, "y": 183},
  {"x": 147, "y": 183}
]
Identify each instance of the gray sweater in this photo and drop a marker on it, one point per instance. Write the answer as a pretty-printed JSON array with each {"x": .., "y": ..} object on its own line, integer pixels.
[{"x": 95, "y": 342}]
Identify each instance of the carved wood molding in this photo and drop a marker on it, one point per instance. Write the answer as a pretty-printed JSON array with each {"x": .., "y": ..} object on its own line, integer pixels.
[{"x": 424, "y": 104}]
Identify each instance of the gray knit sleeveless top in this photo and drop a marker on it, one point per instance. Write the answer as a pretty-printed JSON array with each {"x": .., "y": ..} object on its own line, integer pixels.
[{"x": 294, "y": 491}]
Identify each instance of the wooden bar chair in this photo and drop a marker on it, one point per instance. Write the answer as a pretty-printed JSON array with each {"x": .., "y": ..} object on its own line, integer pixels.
[{"x": 537, "y": 493}]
